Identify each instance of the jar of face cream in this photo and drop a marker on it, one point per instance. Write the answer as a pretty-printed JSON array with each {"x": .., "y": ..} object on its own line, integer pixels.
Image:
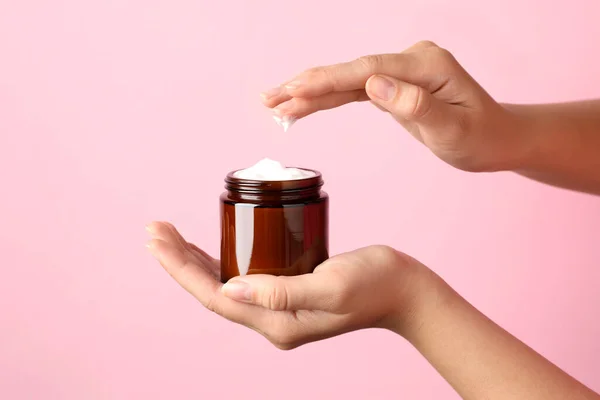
[{"x": 274, "y": 220}]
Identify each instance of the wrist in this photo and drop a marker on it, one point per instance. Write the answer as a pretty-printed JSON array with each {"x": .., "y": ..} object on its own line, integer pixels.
[
  {"x": 524, "y": 127},
  {"x": 423, "y": 295}
]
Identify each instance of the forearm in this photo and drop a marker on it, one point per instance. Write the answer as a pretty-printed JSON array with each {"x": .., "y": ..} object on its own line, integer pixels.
[
  {"x": 563, "y": 143},
  {"x": 480, "y": 359}
]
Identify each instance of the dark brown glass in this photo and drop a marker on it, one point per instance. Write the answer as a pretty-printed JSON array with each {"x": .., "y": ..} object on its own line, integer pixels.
[{"x": 273, "y": 227}]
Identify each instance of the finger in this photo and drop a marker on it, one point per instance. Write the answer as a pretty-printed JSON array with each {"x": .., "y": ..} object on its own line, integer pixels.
[
  {"x": 204, "y": 287},
  {"x": 198, "y": 252},
  {"x": 201, "y": 252},
  {"x": 176, "y": 234},
  {"x": 350, "y": 75},
  {"x": 190, "y": 276},
  {"x": 423, "y": 44},
  {"x": 418, "y": 68},
  {"x": 278, "y": 293},
  {"x": 211, "y": 264},
  {"x": 378, "y": 106},
  {"x": 301, "y": 107},
  {"x": 160, "y": 230},
  {"x": 167, "y": 232},
  {"x": 409, "y": 102},
  {"x": 275, "y": 96}
]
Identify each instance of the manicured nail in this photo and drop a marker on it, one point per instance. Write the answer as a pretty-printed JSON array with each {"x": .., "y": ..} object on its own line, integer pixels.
[
  {"x": 237, "y": 290},
  {"x": 382, "y": 88},
  {"x": 271, "y": 93},
  {"x": 294, "y": 84}
]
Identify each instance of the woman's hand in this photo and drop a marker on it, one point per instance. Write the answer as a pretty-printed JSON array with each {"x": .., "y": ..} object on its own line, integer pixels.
[
  {"x": 371, "y": 287},
  {"x": 427, "y": 91}
]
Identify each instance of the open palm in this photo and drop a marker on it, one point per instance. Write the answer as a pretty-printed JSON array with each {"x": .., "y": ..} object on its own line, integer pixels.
[{"x": 289, "y": 311}]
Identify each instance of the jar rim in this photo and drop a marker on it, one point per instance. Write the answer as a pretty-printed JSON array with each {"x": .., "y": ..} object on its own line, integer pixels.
[{"x": 257, "y": 186}]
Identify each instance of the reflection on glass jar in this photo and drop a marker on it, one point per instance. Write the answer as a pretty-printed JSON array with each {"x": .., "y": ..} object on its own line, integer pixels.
[{"x": 273, "y": 227}]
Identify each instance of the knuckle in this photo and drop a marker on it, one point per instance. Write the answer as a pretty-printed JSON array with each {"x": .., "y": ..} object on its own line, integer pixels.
[
  {"x": 314, "y": 71},
  {"x": 370, "y": 62},
  {"x": 277, "y": 298},
  {"x": 326, "y": 74},
  {"x": 382, "y": 248},
  {"x": 426, "y": 44},
  {"x": 385, "y": 253},
  {"x": 442, "y": 56}
]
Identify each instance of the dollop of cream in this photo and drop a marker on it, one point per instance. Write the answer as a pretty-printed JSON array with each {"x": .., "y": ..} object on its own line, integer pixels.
[
  {"x": 285, "y": 121},
  {"x": 271, "y": 170}
]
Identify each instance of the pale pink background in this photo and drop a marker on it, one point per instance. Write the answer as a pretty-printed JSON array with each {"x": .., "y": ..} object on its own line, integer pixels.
[{"x": 115, "y": 113}]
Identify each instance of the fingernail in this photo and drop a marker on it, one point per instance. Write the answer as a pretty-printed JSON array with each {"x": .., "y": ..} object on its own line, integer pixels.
[
  {"x": 151, "y": 249},
  {"x": 294, "y": 84},
  {"x": 271, "y": 92},
  {"x": 382, "y": 88},
  {"x": 283, "y": 107},
  {"x": 237, "y": 290}
]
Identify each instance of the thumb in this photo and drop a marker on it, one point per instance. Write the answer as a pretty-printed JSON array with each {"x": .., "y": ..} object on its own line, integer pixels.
[
  {"x": 279, "y": 293},
  {"x": 407, "y": 101}
]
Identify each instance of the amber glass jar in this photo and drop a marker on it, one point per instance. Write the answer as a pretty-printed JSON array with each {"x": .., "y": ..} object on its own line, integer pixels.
[{"x": 273, "y": 227}]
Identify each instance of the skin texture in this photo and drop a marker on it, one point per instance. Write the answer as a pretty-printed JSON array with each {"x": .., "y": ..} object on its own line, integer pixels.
[{"x": 427, "y": 91}]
